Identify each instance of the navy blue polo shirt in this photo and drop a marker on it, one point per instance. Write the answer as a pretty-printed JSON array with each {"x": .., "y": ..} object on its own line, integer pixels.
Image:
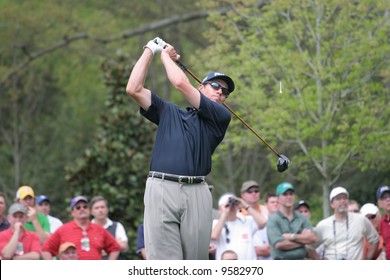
[
  {"x": 4, "y": 224},
  {"x": 186, "y": 139}
]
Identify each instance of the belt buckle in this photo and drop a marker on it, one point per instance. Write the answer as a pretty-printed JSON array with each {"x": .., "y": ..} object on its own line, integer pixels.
[{"x": 181, "y": 180}]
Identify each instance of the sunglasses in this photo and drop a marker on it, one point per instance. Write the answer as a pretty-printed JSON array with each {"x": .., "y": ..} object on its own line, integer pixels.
[
  {"x": 78, "y": 207},
  {"x": 371, "y": 217},
  {"x": 217, "y": 86},
  {"x": 386, "y": 196},
  {"x": 252, "y": 191}
]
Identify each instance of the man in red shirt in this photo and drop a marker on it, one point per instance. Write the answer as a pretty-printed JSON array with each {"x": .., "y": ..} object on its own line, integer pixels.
[
  {"x": 383, "y": 196},
  {"x": 90, "y": 239},
  {"x": 17, "y": 243}
]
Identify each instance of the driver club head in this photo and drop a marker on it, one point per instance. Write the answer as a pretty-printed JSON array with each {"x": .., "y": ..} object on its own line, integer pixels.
[{"x": 283, "y": 163}]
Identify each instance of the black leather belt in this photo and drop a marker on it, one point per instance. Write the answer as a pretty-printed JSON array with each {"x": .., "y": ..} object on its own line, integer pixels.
[{"x": 177, "y": 178}]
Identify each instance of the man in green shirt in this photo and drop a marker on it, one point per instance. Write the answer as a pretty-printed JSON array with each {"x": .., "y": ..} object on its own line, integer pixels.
[
  {"x": 288, "y": 231},
  {"x": 37, "y": 222}
]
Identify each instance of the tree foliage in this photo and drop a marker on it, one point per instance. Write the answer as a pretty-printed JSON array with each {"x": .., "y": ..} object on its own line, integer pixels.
[{"x": 332, "y": 58}]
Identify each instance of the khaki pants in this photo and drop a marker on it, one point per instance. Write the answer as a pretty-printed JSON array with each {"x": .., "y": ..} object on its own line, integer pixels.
[{"x": 177, "y": 220}]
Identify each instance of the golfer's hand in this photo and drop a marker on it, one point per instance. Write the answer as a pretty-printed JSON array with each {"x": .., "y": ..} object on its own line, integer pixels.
[
  {"x": 170, "y": 50},
  {"x": 155, "y": 45}
]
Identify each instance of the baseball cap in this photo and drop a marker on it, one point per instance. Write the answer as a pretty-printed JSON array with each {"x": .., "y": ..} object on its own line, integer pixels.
[
  {"x": 249, "y": 184},
  {"x": 283, "y": 187},
  {"x": 17, "y": 207},
  {"x": 224, "y": 198},
  {"x": 65, "y": 246},
  {"x": 42, "y": 198},
  {"x": 300, "y": 203},
  {"x": 369, "y": 208},
  {"x": 76, "y": 199},
  {"x": 381, "y": 190},
  {"x": 336, "y": 191},
  {"x": 24, "y": 191},
  {"x": 218, "y": 75}
]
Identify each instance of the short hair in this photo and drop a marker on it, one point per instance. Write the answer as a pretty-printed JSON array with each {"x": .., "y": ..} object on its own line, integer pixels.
[
  {"x": 268, "y": 195},
  {"x": 229, "y": 252},
  {"x": 352, "y": 202},
  {"x": 97, "y": 199},
  {"x": 5, "y": 198}
]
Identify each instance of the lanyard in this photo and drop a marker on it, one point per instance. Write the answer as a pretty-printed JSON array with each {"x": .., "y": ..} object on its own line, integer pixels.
[{"x": 341, "y": 256}]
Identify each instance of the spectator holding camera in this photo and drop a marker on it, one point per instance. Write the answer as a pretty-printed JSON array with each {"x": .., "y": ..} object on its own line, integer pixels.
[{"x": 235, "y": 232}]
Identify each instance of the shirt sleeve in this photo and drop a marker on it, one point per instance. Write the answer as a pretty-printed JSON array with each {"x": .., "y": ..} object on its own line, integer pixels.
[
  {"x": 111, "y": 245},
  {"x": 120, "y": 232}
]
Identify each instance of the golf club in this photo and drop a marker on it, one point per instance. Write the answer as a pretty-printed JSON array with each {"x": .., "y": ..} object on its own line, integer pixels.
[{"x": 283, "y": 161}]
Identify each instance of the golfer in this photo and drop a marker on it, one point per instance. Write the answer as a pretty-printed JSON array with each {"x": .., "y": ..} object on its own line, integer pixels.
[{"x": 178, "y": 204}]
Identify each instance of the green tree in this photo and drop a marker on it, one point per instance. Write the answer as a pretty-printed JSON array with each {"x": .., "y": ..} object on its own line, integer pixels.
[
  {"x": 116, "y": 165},
  {"x": 332, "y": 58}
]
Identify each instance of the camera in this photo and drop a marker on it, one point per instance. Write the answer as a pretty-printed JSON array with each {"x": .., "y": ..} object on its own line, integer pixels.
[{"x": 233, "y": 201}]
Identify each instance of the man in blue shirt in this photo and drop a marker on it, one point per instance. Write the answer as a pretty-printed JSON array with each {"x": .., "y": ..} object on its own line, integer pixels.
[{"x": 178, "y": 203}]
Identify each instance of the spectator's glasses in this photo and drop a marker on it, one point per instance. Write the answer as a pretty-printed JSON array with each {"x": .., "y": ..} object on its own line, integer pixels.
[
  {"x": 385, "y": 196},
  {"x": 253, "y": 191},
  {"x": 227, "y": 234},
  {"x": 217, "y": 86},
  {"x": 371, "y": 217},
  {"x": 78, "y": 207}
]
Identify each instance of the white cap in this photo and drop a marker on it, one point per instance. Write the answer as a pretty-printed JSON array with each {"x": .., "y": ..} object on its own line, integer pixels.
[
  {"x": 336, "y": 191},
  {"x": 224, "y": 198},
  {"x": 369, "y": 208}
]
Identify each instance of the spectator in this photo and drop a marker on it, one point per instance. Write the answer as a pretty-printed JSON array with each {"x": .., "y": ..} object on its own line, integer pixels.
[
  {"x": 304, "y": 208},
  {"x": 383, "y": 197},
  {"x": 353, "y": 206},
  {"x": 288, "y": 231},
  {"x": 271, "y": 203},
  {"x": 141, "y": 242},
  {"x": 250, "y": 193},
  {"x": 44, "y": 206},
  {"x": 342, "y": 233},
  {"x": 233, "y": 232},
  {"x": 99, "y": 210},
  {"x": 229, "y": 255},
  {"x": 67, "y": 251},
  {"x": 17, "y": 243},
  {"x": 372, "y": 213},
  {"x": 37, "y": 222},
  {"x": 4, "y": 223},
  {"x": 90, "y": 239}
]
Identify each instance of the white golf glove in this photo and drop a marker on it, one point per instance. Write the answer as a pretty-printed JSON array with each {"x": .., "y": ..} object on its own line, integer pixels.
[{"x": 156, "y": 45}]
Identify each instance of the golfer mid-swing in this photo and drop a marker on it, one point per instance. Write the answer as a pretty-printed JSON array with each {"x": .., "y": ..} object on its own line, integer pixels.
[{"x": 178, "y": 203}]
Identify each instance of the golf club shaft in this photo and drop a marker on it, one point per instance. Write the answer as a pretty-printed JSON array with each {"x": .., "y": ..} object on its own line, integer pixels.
[{"x": 184, "y": 68}]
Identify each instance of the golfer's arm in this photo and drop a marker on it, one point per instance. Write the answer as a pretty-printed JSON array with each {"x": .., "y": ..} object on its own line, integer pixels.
[
  {"x": 135, "y": 85},
  {"x": 180, "y": 80}
]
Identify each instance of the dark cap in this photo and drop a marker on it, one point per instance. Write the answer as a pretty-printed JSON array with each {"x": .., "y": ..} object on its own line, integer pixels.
[
  {"x": 381, "y": 190},
  {"x": 77, "y": 199},
  {"x": 300, "y": 203},
  {"x": 42, "y": 198},
  {"x": 221, "y": 76}
]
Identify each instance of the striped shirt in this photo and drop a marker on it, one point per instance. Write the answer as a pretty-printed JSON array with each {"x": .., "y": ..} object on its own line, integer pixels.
[{"x": 99, "y": 239}]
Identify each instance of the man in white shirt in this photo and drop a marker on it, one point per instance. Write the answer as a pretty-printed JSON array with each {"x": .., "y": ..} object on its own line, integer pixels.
[
  {"x": 233, "y": 231},
  {"x": 343, "y": 233}
]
